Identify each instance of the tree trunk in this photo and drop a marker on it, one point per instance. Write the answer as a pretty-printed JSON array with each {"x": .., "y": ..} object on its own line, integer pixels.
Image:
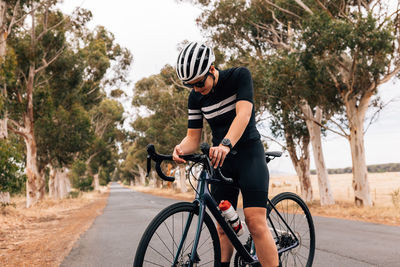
[
  {"x": 302, "y": 166},
  {"x": 356, "y": 116},
  {"x": 142, "y": 176},
  {"x": 182, "y": 178},
  {"x": 325, "y": 191},
  {"x": 5, "y": 197},
  {"x": 96, "y": 183},
  {"x": 3, "y": 38},
  {"x": 35, "y": 184},
  {"x": 52, "y": 178},
  {"x": 62, "y": 183}
]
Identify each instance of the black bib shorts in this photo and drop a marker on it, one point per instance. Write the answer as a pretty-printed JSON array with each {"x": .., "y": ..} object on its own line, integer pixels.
[{"x": 249, "y": 170}]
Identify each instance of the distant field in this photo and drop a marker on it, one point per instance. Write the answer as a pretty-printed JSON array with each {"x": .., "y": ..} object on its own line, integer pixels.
[{"x": 381, "y": 186}]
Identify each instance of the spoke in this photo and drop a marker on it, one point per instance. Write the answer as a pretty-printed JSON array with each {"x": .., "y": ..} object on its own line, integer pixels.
[
  {"x": 187, "y": 246},
  {"x": 307, "y": 232},
  {"x": 206, "y": 263},
  {"x": 160, "y": 254},
  {"x": 210, "y": 248},
  {"x": 304, "y": 257},
  {"x": 300, "y": 259},
  {"x": 164, "y": 244},
  {"x": 285, "y": 257},
  {"x": 193, "y": 240},
  {"x": 173, "y": 240},
  {"x": 287, "y": 210},
  {"x": 204, "y": 240},
  {"x": 153, "y": 263},
  {"x": 291, "y": 222}
]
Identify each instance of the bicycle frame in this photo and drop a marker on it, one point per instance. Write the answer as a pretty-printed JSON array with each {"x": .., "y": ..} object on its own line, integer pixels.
[{"x": 205, "y": 200}]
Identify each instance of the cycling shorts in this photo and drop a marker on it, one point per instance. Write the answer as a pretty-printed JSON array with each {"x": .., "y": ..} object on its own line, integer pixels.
[{"x": 249, "y": 170}]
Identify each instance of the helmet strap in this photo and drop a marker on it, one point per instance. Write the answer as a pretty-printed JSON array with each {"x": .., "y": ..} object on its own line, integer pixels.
[{"x": 212, "y": 89}]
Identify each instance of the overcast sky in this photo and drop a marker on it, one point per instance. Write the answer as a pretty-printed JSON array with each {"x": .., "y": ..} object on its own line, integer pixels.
[{"x": 151, "y": 30}]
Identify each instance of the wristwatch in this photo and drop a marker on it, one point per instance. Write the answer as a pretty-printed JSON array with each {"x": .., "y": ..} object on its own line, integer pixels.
[{"x": 226, "y": 142}]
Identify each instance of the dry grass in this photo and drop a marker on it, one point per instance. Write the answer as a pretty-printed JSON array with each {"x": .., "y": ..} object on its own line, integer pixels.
[
  {"x": 44, "y": 234},
  {"x": 382, "y": 185}
]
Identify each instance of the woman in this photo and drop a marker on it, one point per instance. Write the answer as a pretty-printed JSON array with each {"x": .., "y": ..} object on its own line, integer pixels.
[{"x": 225, "y": 99}]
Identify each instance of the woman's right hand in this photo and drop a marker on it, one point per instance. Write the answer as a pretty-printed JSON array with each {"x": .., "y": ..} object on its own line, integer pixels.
[{"x": 177, "y": 152}]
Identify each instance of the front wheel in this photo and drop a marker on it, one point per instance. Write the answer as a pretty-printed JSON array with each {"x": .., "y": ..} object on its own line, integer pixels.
[
  {"x": 160, "y": 243},
  {"x": 296, "y": 246}
]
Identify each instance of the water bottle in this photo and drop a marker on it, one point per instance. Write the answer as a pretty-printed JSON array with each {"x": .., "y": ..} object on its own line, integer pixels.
[{"x": 231, "y": 216}]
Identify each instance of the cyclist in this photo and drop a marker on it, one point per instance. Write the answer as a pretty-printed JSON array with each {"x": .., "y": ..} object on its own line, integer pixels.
[{"x": 225, "y": 99}]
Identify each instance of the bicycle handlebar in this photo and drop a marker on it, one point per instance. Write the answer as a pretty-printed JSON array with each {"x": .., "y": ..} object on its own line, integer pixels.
[{"x": 159, "y": 158}]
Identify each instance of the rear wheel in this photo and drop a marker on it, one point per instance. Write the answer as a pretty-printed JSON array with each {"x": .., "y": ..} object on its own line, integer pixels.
[
  {"x": 297, "y": 216},
  {"x": 160, "y": 241}
]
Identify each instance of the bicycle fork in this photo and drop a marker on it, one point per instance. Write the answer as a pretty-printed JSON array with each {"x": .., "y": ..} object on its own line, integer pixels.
[{"x": 193, "y": 256}]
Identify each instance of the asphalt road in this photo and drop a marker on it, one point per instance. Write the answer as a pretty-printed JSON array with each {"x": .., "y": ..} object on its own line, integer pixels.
[{"x": 112, "y": 240}]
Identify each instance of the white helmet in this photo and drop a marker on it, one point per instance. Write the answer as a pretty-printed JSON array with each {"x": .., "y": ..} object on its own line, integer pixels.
[{"x": 194, "y": 61}]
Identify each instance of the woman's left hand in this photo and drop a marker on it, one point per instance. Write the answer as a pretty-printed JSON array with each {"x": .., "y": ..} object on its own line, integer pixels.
[{"x": 218, "y": 155}]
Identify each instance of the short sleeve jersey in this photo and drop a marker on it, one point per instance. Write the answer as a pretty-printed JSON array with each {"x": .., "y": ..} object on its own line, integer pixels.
[{"x": 219, "y": 106}]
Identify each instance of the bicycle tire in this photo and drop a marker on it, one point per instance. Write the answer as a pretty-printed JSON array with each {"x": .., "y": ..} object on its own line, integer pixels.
[
  {"x": 297, "y": 215},
  {"x": 143, "y": 254}
]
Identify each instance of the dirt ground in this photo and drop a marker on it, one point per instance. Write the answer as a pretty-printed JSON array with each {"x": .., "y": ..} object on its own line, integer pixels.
[
  {"x": 382, "y": 186},
  {"x": 44, "y": 234}
]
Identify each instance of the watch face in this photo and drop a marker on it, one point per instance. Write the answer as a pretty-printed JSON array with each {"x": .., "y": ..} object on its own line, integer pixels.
[{"x": 226, "y": 142}]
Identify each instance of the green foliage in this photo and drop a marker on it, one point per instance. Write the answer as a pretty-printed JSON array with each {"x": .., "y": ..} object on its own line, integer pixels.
[
  {"x": 364, "y": 40},
  {"x": 74, "y": 194},
  {"x": 12, "y": 178},
  {"x": 79, "y": 178}
]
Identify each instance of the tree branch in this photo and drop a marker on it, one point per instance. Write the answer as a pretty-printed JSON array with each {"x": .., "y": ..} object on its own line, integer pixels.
[
  {"x": 324, "y": 8},
  {"x": 17, "y": 129},
  {"x": 273, "y": 140},
  {"x": 46, "y": 64},
  {"x": 51, "y": 28},
  {"x": 343, "y": 134},
  {"x": 178, "y": 84},
  {"x": 12, "y": 22},
  {"x": 306, "y": 8},
  {"x": 387, "y": 77},
  {"x": 282, "y": 9},
  {"x": 376, "y": 114}
]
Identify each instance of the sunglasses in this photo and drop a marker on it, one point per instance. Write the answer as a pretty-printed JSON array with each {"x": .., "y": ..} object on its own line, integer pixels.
[{"x": 198, "y": 84}]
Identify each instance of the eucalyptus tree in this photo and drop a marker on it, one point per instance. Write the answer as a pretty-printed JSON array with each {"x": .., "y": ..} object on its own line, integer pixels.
[
  {"x": 164, "y": 123},
  {"x": 76, "y": 121},
  {"x": 360, "y": 50},
  {"x": 60, "y": 74},
  {"x": 106, "y": 120},
  {"x": 35, "y": 47},
  {"x": 12, "y": 14}
]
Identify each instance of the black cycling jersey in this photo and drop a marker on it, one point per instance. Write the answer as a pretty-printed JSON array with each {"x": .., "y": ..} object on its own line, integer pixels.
[{"x": 219, "y": 106}]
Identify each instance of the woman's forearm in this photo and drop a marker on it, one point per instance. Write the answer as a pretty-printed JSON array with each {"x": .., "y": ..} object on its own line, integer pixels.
[
  {"x": 191, "y": 142},
  {"x": 240, "y": 122}
]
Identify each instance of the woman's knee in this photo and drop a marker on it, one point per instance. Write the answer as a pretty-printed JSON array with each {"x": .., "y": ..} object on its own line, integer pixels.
[{"x": 256, "y": 223}]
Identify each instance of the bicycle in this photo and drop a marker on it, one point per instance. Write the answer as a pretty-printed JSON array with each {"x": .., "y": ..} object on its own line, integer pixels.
[{"x": 197, "y": 244}]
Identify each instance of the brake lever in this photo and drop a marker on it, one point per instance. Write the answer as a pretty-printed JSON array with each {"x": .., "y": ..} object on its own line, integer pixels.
[{"x": 226, "y": 179}]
